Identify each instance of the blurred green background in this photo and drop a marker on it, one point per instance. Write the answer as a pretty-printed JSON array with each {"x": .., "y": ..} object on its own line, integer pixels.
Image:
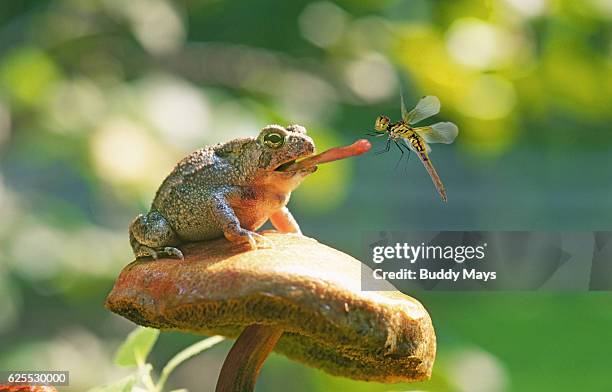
[{"x": 98, "y": 100}]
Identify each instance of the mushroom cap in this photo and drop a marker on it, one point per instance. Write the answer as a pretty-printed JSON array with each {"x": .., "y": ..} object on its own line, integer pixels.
[{"x": 309, "y": 290}]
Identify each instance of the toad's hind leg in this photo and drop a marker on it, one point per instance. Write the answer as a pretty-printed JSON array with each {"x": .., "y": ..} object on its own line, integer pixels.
[{"x": 151, "y": 235}]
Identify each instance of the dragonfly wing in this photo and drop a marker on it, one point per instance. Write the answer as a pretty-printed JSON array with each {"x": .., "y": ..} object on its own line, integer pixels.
[
  {"x": 442, "y": 132},
  {"x": 428, "y": 106},
  {"x": 404, "y": 110}
]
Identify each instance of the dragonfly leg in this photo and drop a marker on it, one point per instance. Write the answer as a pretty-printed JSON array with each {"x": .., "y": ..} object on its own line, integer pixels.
[
  {"x": 402, "y": 146},
  {"x": 407, "y": 159},
  {"x": 386, "y": 149},
  {"x": 401, "y": 156},
  {"x": 375, "y": 134}
]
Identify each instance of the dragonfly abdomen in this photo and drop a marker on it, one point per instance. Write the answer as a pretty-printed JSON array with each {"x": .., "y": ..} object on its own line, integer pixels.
[{"x": 418, "y": 144}]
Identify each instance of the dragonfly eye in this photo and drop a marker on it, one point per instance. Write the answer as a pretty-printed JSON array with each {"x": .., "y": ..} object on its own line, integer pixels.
[
  {"x": 274, "y": 140},
  {"x": 382, "y": 123}
]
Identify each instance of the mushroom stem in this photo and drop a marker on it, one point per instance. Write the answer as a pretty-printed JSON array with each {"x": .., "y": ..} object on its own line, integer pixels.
[{"x": 245, "y": 359}]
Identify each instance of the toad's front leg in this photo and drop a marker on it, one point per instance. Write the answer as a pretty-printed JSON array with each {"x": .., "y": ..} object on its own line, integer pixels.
[
  {"x": 284, "y": 221},
  {"x": 226, "y": 220}
]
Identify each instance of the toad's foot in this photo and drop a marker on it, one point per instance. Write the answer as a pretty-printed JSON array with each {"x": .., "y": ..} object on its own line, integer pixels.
[
  {"x": 171, "y": 252},
  {"x": 174, "y": 252},
  {"x": 255, "y": 240},
  {"x": 145, "y": 251}
]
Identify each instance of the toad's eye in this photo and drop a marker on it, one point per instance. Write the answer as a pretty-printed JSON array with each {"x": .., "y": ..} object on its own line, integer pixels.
[{"x": 274, "y": 140}]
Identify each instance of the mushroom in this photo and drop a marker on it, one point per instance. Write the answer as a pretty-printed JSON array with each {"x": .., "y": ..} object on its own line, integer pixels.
[{"x": 300, "y": 298}]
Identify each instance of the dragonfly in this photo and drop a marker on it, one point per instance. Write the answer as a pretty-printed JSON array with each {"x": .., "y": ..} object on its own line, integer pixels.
[{"x": 405, "y": 135}]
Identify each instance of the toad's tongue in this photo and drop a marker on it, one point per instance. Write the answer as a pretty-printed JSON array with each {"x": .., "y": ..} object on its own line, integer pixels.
[{"x": 333, "y": 154}]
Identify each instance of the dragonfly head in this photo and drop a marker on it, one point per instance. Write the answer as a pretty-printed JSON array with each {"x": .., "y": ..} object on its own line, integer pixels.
[{"x": 382, "y": 124}]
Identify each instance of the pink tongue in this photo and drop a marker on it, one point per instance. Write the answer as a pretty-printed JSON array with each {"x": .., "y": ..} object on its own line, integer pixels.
[{"x": 333, "y": 154}]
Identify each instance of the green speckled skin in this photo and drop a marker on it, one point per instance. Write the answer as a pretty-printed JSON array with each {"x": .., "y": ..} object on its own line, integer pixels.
[{"x": 229, "y": 189}]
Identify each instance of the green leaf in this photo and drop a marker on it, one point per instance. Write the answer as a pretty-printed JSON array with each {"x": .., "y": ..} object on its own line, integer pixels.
[
  {"x": 123, "y": 385},
  {"x": 136, "y": 346},
  {"x": 184, "y": 355}
]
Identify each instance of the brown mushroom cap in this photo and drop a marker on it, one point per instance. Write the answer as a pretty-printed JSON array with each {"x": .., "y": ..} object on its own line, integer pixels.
[{"x": 309, "y": 290}]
